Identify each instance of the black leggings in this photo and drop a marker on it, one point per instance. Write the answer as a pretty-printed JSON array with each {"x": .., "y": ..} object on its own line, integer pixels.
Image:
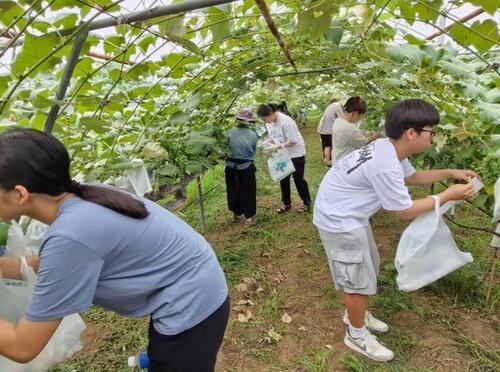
[
  {"x": 300, "y": 183},
  {"x": 194, "y": 350}
]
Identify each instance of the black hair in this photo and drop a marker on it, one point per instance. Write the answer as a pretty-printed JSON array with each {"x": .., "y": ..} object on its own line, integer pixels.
[
  {"x": 40, "y": 162},
  {"x": 266, "y": 110},
  {"x": 282, "y": 107},
  {"x": 355, "y": 104},
  {"x": 410, "y": 113}
]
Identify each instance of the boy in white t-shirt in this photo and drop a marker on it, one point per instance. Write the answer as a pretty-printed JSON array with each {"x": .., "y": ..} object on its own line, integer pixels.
[{"x": 366, "y": 180}]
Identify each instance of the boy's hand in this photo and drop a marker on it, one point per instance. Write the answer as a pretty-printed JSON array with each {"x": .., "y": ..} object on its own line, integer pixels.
[
  {"x": 460, "y": 192},
  {"x": 463, "y": 174}
]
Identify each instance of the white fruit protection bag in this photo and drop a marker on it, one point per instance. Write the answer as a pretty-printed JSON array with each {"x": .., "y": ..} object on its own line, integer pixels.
[
  {"x": 427, "y": 251},
  {"x": 135, "y": 180},
  {"x": 14, "y": 299},
  {"x": 280, "y": 165}
]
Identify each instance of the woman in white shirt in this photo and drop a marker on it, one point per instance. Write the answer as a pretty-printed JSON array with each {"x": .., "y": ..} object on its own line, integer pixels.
[
  {"x": 285, "y": 134},
  {"x": 346, "y": 136}
]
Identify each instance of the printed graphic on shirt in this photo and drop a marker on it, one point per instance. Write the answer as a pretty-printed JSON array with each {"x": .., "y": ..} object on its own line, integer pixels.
[{"x": 365, "y": 154}]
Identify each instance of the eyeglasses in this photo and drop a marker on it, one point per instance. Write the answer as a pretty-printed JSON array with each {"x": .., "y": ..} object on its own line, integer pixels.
[{"x": 432, "y": 133}]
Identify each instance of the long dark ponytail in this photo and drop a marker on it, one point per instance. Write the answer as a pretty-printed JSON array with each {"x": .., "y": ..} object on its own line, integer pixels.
[{"x": 40, "y": 162}]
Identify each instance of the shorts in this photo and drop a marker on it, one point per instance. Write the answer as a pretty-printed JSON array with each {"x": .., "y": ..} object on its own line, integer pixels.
[
  {"x": 353, "y": 259},
  {"x": 326, "y": 140}
]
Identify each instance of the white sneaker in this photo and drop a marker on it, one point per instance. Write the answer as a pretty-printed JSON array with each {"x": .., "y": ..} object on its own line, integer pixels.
[
  {"x": 372, "y": 323},
  {"x": 249, "y": 222},
  {"x": 237, "y": 218},
  {"x": 368, "y": 346}
]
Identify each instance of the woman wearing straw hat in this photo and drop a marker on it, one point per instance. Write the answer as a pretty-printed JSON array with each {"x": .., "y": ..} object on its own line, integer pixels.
[{"x": 240, "y": 171}]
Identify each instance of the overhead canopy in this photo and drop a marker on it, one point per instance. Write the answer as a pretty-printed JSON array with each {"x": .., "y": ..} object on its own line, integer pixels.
[{"x": 145, "y": 70}]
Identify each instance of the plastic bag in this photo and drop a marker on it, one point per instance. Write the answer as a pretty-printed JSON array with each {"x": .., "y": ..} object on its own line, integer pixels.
[
  {"x": 427, "y": 251},
  {"x": 280, "y": 165},
  {"x": 14, "y": 301},
  {"x": 135, "y": 180},
  {"x": 63, "y": 344},
  {"x": 21, "y": 244}
]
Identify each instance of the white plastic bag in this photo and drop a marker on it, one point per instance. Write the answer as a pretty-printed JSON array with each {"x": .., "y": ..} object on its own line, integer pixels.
[
  {"x": 135, "y": 180},
  {"x": 63, "y": 344},
  {"x": 21, "y": 244},
  {"x": 14, "y": 301},
  {"x": 427, "y": 251},
  {"x": 280, "y": 165}
]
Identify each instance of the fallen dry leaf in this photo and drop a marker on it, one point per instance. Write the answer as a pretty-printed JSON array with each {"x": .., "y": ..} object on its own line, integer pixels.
[
  {"x": 244, "y": 318},
  {"x": 274, "y": 335},
  {"x": 286, "y": 318},
  {"x": 242, "y": 287}
]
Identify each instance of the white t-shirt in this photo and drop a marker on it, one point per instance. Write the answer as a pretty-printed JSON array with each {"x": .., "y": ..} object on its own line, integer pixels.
[
  {"x": 275, "y": 132},
  {"x": 346, "y": 137},
  {"x": 285, "y": 129},
  {"x": 359, "y": 185},
  {"x": 332, "y": 112}
]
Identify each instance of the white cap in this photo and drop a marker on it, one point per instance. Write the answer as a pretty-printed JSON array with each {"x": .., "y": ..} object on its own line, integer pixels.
[{"x": 131, "y": 362}]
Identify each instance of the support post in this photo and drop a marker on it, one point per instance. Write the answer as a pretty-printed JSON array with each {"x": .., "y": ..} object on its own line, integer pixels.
[
  {"x": 202, "y": 205},
  {"x": 66, "y": 78},
  {"x": 156, "y": 12}
]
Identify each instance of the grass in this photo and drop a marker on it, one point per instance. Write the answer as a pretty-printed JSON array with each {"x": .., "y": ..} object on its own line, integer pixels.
[{"x": 316, "y": 359}]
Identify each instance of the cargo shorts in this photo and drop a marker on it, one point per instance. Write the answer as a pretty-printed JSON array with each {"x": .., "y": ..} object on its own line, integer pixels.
[{"x": 353, "y": 259}]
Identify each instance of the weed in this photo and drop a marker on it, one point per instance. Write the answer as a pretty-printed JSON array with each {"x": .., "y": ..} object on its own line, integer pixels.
[{"x": 315, "y": 360}]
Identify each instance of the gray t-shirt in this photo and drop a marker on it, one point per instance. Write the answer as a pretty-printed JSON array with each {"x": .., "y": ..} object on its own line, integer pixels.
[
  {"x": 346, "y": 138},
  {"x": 332, "y": 112},
  {"x": 158, "y": 267}
]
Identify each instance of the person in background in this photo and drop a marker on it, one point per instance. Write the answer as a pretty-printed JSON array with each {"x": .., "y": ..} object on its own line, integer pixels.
[
  {"x": 346, "y": 136},
  {"x": 358, "y": 185},
  {"x": 332, "y": 112},
  {"x": 284, "y": 134},
  {"x": 302, "y": 117},
  {"x": 108, "y": 248},
  {"x": 283, "y": 108},
  {"x": 240, "y": 169}
]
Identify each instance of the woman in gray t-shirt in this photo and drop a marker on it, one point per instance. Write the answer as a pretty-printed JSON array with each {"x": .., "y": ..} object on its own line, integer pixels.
[
  {"x": 108, "y": 248},
  {"x": 346, "y": 137}
]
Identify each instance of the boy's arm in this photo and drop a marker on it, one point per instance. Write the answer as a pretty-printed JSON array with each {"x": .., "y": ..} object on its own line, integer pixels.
[
  {"x": 420, "y": 206},
  {"x": 426, "y": 177}
]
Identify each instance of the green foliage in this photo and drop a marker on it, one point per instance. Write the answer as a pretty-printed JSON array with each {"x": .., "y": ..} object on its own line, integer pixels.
[
  {"x": 218, "y": 23},
  {"x": 172, "y": 109},
  {"x": 4, "y": 229},
  {"x": 36, "y": 48}
]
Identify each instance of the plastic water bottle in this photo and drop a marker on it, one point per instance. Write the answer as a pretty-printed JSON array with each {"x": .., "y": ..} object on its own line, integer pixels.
[{"x": 140, "y": 360}]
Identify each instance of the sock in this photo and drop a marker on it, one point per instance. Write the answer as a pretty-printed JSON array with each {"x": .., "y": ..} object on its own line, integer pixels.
[{"x": 357, "y": 332}]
